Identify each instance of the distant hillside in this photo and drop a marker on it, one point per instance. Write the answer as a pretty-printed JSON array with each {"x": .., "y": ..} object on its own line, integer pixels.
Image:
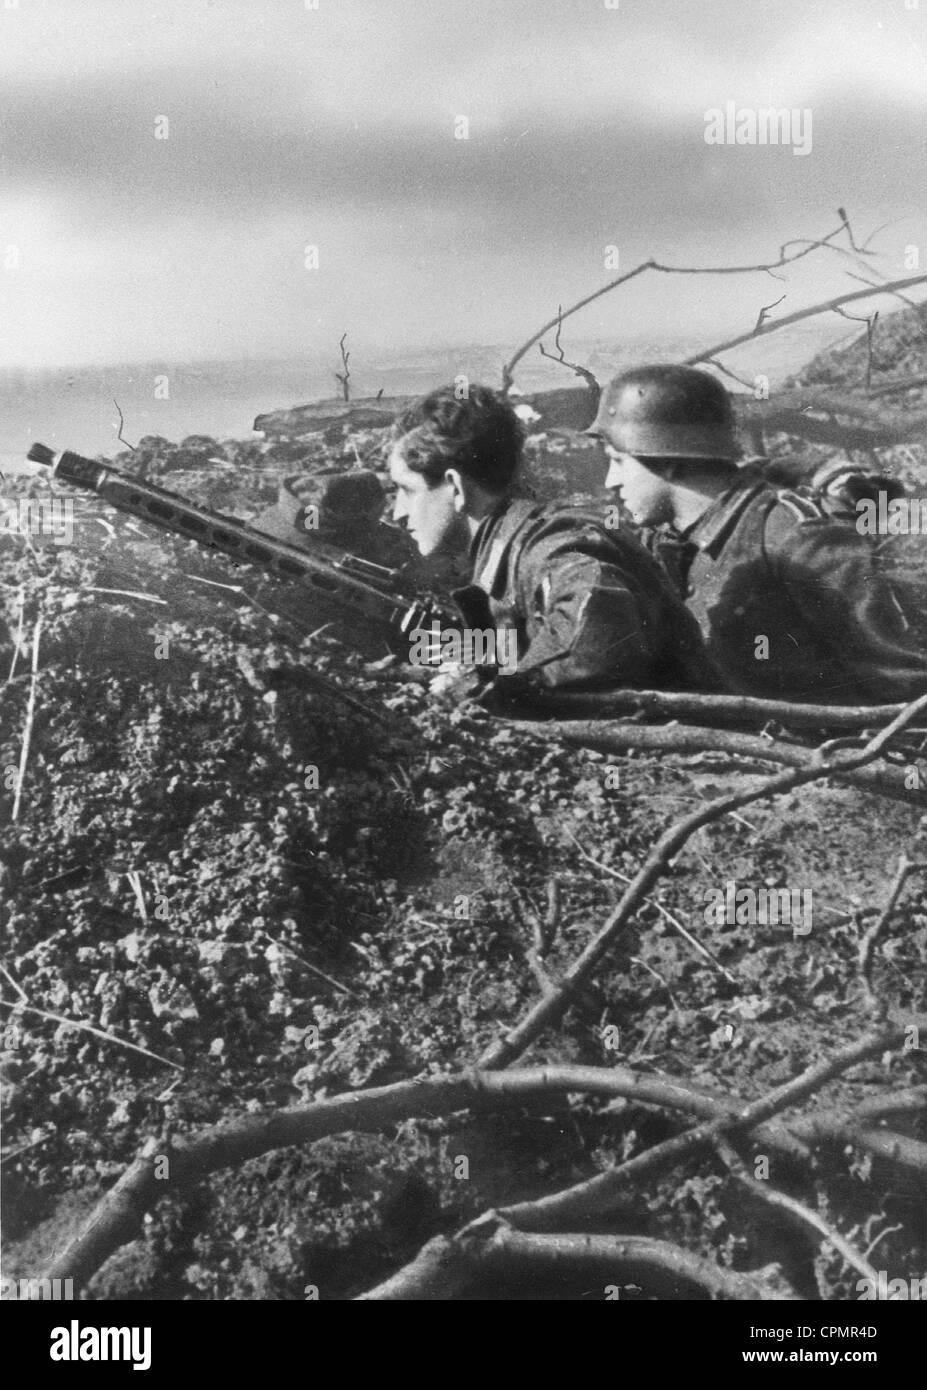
[{"x": 899, "y": 354}]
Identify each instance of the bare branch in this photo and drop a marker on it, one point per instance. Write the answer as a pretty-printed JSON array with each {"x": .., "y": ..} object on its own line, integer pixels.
[
  {"x": 549, "y": 1009},
  {"x": 119, "y": 435},
  {"x": 785, "y": 258},
  {"x": 18, "y": 639},
  {"x": 776, "y": 324},
  {"x": 587, "y": 376},
  {"x": 726, "y": 371},
  {"x": 764, "y": 312},
  {"x": 797, "y": 1211},
  {"x": 867, "y": 943},
  {"x": 723, "y": 708},
  {"x": 344, "y": 376},
  {"x": 665, "y": 912},
  {"x": 578, "y": 1204},
  {"x": 30, "y": 719},
  {"x": 89, "y": 1028},
  {"x": 489, "y": 1247},
  {"x": 118, "y": 1217},
  {"x": 617, "y": 737}
]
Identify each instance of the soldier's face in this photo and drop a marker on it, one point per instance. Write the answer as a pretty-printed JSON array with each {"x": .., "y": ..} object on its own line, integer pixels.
[
  {"x": 431, "y": 514},
  {"x": 645, "y": 495}
]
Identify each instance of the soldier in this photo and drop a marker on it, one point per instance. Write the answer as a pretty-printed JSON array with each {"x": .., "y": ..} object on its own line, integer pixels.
[
  {"x": 342, "y": 509},
  {"x": 791, "y": 599},
  {"x": 590, "y": 607}
]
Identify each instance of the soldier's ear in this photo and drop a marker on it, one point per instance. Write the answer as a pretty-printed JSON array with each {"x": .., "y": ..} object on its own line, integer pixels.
[{"x": 460, "y": 489}]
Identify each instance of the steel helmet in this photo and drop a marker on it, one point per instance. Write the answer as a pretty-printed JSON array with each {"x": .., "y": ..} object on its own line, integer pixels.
[{"x": 667, "y": 412}]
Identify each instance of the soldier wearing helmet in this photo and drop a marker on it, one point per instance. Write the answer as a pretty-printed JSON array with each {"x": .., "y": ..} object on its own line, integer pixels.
[
  {"x": 792, "y": 601},
  {"x": 590, "y": 607}
]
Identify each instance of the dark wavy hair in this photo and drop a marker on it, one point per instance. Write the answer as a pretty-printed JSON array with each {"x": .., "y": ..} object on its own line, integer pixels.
[{"x": 479, "y": 435}]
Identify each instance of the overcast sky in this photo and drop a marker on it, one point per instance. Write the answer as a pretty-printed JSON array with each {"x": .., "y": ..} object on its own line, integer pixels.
[{"x": 335, "y": 127}]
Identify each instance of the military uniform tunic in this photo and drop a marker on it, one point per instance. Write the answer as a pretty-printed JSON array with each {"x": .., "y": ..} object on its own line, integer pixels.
[
  {"x": 592, "y": 609},
  {"x": 767, "y": 564}
]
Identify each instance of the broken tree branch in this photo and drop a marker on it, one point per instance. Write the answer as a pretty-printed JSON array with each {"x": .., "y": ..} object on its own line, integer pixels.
[
  {"x": 344, "y": 376},
  {"x": 551, "y": 1008},
  {"x": 491, "y": 1248},
  {"x": 607, "y": 737},
  {"x": 803, "y": 1216},
  {"x": 725, "y": 708},
  {"x": 583, "y": 372},
  {"x": 774, "y": 325},
  {"x": 118, "y": 1216},
  {"x": 808, "y": 245},
  {"x": 119, "y": 428},
  {"x": 82, "y": 1027},
  {"x": 30, "y": 719},
  {"x": 674, "y": 922},
  {"x": 599, "y": 1194},
  {"x": 869, "y": 938}
]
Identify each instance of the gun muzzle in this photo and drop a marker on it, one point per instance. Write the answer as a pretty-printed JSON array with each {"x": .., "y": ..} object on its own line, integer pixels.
[{"x": 40, "y": 453}]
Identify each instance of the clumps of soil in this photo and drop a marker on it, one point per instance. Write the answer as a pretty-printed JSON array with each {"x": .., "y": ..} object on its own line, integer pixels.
[{"x": 283, "y": 896}]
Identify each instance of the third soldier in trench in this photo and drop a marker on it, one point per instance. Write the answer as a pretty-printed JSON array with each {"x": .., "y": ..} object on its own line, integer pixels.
[{"x": 792, "y": 601}]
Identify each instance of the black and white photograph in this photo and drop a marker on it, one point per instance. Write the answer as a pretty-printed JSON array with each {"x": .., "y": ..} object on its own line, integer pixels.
[{"x": 463, "y": 666}]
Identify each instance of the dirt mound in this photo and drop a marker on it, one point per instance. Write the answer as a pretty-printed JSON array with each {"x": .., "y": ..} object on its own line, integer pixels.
[{"x": 225, "y": 892}]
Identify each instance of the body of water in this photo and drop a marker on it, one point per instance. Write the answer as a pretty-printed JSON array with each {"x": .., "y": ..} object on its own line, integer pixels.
[{"x": 75, "y": 408}]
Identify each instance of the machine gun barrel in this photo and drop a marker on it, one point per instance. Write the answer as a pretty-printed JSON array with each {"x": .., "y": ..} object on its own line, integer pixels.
[{"x": 356, "y": 587}]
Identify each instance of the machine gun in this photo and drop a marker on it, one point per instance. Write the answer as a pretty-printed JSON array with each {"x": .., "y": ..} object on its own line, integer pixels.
[{"x": 367, "y": 598}]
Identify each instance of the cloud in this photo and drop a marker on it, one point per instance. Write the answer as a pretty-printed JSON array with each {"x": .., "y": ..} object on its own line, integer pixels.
[{"x": 336, "y": 126}]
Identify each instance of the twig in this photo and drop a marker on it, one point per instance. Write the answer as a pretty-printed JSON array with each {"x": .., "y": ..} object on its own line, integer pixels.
[
  {"x": 764, "y": 313},
  {"x": 535, "y": 950},
  {"x": 599, "y": 1194},
  {"x": 638, "y": 960},
  {"x": 587, "y": 376},
  {"x": 726, "y": 371},
  {"x": 551, "y": 1008},
  {"x": 889, "y": 1230},
  {"x": 123, "y": 593},
  {"x": 24, "y": 1148},
  {"x": 653, "y": 902},
  {"x": 774, "y": 325},
  {"x": 870, "y": 333},
  {"x": 89, "y": 1028},
  {"x": 30, "y": 716},
  {"x": 808, "y": 245},
  {"x": 551, "y": 922},
  {"x": 119, "y": 434},
  {"x": 17, "y": 640},
  {"x": 803, "y": 1215},
  {"x": 867, "y": 942},
  {"x": 313, "y": 969},
  {"x": 135, "y": 881},
  {"x": 345, "y": 376}
]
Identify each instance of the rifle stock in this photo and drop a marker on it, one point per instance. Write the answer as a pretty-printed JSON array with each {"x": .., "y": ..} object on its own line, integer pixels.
[{"x": 367, "y": 595}]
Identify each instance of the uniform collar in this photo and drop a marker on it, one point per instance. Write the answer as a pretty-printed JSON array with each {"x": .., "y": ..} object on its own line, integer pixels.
[
  {"x": 715, "y": 524},
  {"x": 490, "y": 545}
]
